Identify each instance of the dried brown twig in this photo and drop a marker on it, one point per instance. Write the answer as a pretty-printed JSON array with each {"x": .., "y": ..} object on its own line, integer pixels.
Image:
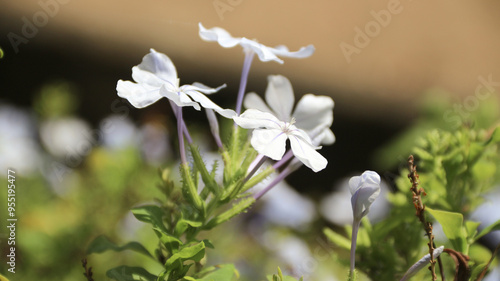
[
  {"x": 417, "y": 193},
  {"x": 88, "y": 271}
]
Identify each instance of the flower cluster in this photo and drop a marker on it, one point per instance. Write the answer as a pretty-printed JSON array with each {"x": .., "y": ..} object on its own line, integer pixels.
[{"x": 306, "y": 127}]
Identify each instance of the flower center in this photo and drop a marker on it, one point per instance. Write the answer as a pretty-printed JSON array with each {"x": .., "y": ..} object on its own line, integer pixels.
[{"x": 286, "y": 128}]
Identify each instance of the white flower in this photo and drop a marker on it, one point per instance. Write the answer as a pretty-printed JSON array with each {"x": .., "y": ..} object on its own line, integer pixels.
[
  {"x": 423, "y": 262},
  {"x": 156, "y": 77},
  {"x": 364, "y": 190},
  {"x": 270, "y": 135},
  {"x": 313, "y": 114},
  {"x": 265, "y": 53}
]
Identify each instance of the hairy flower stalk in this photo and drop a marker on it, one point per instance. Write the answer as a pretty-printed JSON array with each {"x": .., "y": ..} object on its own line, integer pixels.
[{"x": 364, "y": 190}]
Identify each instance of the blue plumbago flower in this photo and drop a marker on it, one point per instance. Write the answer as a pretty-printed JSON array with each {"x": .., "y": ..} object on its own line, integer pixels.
[
  {"x": 423, "y": 262},
  {"x": 263, "y": 52},
  {"x": 156, "y": 77},
  {"x": 313, "y": 114},
  {"x": 270, "y": 134},
  {"x": 364, "y": 189}
]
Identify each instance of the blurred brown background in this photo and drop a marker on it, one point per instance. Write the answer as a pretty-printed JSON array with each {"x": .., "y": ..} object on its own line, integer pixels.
[{"x": 400, "y": 49}]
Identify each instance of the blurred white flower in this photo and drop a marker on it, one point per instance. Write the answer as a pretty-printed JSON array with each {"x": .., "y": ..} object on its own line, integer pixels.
[
  {"x": 313, "y": 114},
  {"x": 285, "y": 206},
  {"x": 19, "y": 149},
  {"x": 270, "y": 134},
  {"x": 289, "y": 249},
  {"x": 118, "y": 132},
  {"x": 156, "y": 77},
  {"x": 154, "y": 143},
  {"x": 265, "y": 53},
  {"x": 67, "y": 138}
]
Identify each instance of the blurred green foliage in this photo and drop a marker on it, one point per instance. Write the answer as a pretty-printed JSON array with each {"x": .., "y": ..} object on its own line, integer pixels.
[{"x": 457, "y": 167}]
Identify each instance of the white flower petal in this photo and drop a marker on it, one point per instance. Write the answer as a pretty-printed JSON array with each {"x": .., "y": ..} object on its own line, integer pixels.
[
  {"x": 263, "y": 52},
  {"x": 180, "y": 99},
  {"x": 306, "y": 153},
  {"x": 304, "y": 52},
  {"x": 155, "y": 70},
  {"x": 354, "y": 184},
  {"x": 312, "y": 111},
  {"x": 253, "y": 119},
  {"x": 279, "y": 96},
  {"x": 328, "y": 138},
  {"x": 139, "y": 95},
  {"x": 365, "y": 190},
  {"x": 207, "y": 103},
  {"x": 254, "y": 101},
  {"x": 269, "y": 142},
  {"x": 204, "y": 88},
  {"x": 219, "y": 35}
]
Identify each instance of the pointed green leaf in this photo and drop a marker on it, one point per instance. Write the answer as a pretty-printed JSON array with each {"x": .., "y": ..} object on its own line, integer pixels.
[
  {"x": 223, "y": 272},
  {"x": 495, "y": 136},
  {"x": 150, "y": 214},
  {"x": 492, "y": 227},
  {"x": 237, "y": 208},
  {"x": 452, "y": 224},
  {"x": 337, "y": 239},
  {"x": 126, "y": 273},
  {"x": 102, "y": 244}
]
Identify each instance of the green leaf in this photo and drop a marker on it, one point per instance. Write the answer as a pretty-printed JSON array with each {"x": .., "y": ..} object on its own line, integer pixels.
[
  {"x": 223, "y": 272},
  {"x": 452, "y": 224},
  {"x": 194, "y": 252},
  {"x": 102, "y": 244},
  {"x": 126, "y": 273},
  {"x": 1, "y": 53},
  {"x": 337, "y": 239},
  {"x": 476, "y": 271},
  {"x": 183, "y": 224},
  {"x": 492, "y": 227},
  {"x": 471, "y": 228},
  {"x": 150, "y": 214},
  {"x": 495, "y": 136},
  {"x": 237, "y": 208},
  {"x": 169, "y": 241}
]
